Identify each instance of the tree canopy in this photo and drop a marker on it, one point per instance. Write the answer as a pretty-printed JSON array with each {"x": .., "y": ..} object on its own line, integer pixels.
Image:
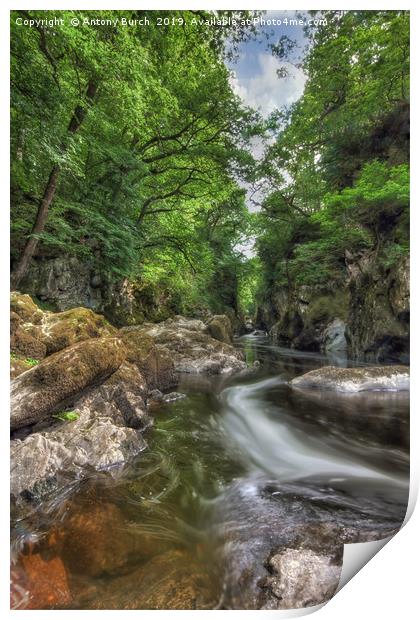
[
  {"x": 130, "y": 141},
  {"x": 337, "y": 171}
]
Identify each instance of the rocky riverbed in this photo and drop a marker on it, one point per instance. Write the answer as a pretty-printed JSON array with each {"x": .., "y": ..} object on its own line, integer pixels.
[{"x": 236, "y": 491}]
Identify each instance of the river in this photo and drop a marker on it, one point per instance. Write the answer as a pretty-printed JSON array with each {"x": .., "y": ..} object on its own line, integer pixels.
[{"x": 240, "y": 468}]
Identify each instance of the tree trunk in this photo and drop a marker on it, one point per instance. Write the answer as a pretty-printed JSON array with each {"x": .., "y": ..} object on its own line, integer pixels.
[{"x": 49, "y": 193}]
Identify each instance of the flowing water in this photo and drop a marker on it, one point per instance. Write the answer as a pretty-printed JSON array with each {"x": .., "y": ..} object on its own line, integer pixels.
[{"x": 233, "y": 471}]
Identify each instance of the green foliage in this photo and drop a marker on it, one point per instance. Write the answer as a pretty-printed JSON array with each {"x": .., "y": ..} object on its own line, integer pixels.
[
  {"x": 67, "y": 416},
  {"x": 148, "y": 185},
  {"x": 339, "y": 164},
  {"x": 29, "y": 361}
]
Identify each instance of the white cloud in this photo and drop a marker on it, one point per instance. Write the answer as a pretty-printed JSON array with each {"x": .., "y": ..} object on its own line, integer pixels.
[{"x": 265, "y": 90}]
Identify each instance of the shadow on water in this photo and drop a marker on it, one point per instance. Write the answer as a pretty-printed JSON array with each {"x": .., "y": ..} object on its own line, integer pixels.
[{"x": 189, "y": 523}]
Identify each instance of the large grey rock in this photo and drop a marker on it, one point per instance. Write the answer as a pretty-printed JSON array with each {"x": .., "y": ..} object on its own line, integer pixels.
[
  {"x": 274, "y": 535},
  {"x": 107, "y": 433},
  {"x": 355, "y": 379},
  {"x": 301, "y": 578},
  {"x": 191, "y": 348},
  {"x": 51, "y": 460}
]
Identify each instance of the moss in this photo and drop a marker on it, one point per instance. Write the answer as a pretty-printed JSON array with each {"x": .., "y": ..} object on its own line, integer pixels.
[
  {"x": 25, "y": 308},
  {"x": 327, "y": 308},
  {"x": 72, "y": 326}
]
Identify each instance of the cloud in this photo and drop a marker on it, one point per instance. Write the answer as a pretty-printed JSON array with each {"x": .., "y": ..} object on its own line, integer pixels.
[{"x": 261, "y": 88}]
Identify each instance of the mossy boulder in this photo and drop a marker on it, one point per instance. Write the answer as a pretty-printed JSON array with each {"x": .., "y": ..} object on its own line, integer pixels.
[
  {"x": 18, "y": 366},
  {"x": 63, "y": 329},
  {"x": 25, "y": 308},
  {"x": 63, "y": 376},
  {"x": 22, "y": 342}
]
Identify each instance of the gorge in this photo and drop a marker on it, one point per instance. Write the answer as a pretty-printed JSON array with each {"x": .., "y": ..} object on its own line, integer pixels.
[{"x": 209, "y": 306}]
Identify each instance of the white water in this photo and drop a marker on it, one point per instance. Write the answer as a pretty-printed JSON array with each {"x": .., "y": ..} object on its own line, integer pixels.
[{"x": 271, "y": 444}]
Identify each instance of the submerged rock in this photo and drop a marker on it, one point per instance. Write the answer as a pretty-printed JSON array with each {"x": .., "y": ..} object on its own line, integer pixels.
[
  {"x": 171, "y": 580},
  {"x": 355, "y": 379},
  {"x": 172, "y": 396},
  {"x": 42, "y": 583}
]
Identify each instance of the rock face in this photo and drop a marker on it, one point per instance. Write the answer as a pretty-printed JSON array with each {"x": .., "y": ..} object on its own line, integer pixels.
[
  {"x": 191, "y": 348},
  {"x": 379, "y": 311},
  {"x": 64, "y": 282},
  {"x": 220, "y": 328},
  {"x": 355, "y": 379},
  {"x": 367, "y": 313},
  {"x": 59, "y": 379}
]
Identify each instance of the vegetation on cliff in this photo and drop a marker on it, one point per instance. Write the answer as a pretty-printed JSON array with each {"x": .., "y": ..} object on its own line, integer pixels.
[{"x": 337, "y": 172}]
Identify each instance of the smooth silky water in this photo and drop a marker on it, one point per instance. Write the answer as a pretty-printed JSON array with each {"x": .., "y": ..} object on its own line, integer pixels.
[{"x": 154, "y": 534}]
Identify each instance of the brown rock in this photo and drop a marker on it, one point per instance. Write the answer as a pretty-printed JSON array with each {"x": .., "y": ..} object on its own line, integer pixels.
[
  {"x": 93, "y": 540},
  {"x": 172, "y": 580},
  {"x": 61, "y": 378}
]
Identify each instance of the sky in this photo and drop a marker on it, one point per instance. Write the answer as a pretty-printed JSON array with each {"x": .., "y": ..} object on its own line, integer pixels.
[
  {"x": 255, "y": 77},
  {"x": 255, "y": 80}
]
